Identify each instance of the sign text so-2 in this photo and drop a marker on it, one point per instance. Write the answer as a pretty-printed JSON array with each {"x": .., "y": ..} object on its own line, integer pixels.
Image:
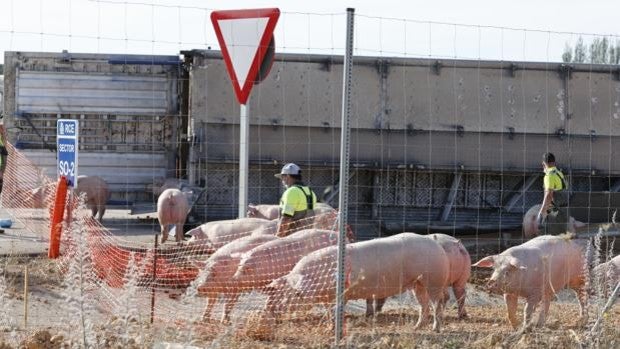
[{"x": 67, "y": 147}]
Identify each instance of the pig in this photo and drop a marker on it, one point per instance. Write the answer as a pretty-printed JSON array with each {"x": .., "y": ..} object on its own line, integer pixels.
[
  {"x": 536, "y": 270},
  {"x": 40, "y": 196},
  {"x": 328, "y": 219},
  {"x": 216, "y": 234},
  {"x": 273, "y": 211},
  {"x": 219, "y": 269},
  {"x": 374, "y": 269},
  {"x": 95, "y": 189},
  {"x": 269, "y": 212},
  {"x": 262, "y": 264},
  {"x": 97, "y": 194},
  {"x": 172, "y": 208},
  {"x": 530, "y": 226},
  {"x": 608, "y": 273},
  {"x": 460, "y": 270}
]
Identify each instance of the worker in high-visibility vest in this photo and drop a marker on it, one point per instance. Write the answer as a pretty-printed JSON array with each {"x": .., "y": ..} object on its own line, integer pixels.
[
  {"x": 297, "y": 202},
  {"x": 553, "y": 217}
]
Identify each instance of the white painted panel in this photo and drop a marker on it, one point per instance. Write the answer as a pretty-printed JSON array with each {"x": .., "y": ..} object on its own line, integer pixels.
[{"x": 98, "y": 93}]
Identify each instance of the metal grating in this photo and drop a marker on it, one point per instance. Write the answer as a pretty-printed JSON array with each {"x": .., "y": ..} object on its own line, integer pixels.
[
  {"x": 492, "y": 191},
  {"x": 423, "y": 189},
  {"x": 441, "y": 188},
  {"x": 474, "y": 190}
]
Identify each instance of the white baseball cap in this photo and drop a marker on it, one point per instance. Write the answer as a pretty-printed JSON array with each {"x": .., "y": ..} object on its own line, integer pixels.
[{"x": 289, "y": 169}]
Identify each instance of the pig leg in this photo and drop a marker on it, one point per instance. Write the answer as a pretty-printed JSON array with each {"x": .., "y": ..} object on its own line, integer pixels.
[
  {"x": 445, "y": 298},
  {"x": 229, "y": 303},
  {"x": 511, "y": 308},
  {"x": 370, "y": 307},
  {"x": 206, "y": 315},
  {"x": 437, "y": 296},
  {"x": 179, "y": 232},
  {"x": 379, "y": 305},
  {"x": 530, "y": 307},
  {"x": 374, "y": 306},
  {"x": 93, "y": 210},
  {"x": 164, "y": 233},
  {"x": 421, "y": 294},
  {"x": 101, "y": 210},
  {"x": 542, "y": 317},
  {"x": 459, "y": 294},
  {"x": 582, "y": 296}
]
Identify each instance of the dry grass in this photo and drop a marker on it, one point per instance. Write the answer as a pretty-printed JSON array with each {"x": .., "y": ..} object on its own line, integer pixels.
[{"x": 487, "y": 326}]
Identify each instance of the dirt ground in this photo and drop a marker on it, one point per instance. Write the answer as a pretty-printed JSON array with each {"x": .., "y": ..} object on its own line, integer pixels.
[
  {"x": 486, "y": 327},
  {"x": 47, "y": 321}
]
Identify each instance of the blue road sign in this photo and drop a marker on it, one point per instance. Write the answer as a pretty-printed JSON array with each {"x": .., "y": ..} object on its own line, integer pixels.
[{"x": 67, "y": 147}]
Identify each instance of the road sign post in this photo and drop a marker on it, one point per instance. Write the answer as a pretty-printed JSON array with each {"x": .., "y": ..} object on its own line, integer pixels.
[
  {"x": 67, "y": 148},
  {"x": 247, "y": 44}
]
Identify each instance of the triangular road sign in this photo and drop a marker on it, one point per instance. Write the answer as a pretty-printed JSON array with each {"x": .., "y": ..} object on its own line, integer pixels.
[{"x": 244, "y": 37}]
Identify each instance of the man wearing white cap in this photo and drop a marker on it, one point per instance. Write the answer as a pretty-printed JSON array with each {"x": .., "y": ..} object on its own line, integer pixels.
[{"x": 296, "y": 203}]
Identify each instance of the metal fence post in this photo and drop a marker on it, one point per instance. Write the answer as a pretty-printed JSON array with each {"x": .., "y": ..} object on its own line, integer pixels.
[{"x": 344, "y": 174}]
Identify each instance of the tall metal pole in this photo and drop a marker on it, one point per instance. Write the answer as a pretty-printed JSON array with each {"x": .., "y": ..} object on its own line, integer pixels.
[
  {"x": 343, "y": 201},
  {"x": 244, "y": 148}
]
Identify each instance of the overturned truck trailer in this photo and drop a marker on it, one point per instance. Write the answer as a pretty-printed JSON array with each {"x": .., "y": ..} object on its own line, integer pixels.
[
  {"x": 448, "y": 145},
  {"x": 127, "y": 106}
]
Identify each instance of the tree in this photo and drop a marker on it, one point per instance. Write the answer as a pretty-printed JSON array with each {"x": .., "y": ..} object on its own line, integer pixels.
[
  {"x": 580, "y": 51},
  {"x": 599, "y": 51},
  {"x": 567, "y": 56}
]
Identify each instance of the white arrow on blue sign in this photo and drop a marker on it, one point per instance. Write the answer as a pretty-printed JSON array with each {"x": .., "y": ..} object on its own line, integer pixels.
[{"x": 67, "y": 148}]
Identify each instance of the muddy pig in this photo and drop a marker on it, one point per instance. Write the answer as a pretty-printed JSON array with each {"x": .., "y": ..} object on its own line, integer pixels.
[{"x": 97, "y": 194}]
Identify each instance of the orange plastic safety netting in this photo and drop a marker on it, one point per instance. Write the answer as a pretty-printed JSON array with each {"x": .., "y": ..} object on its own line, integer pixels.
[{"x": 174, "y": 284}]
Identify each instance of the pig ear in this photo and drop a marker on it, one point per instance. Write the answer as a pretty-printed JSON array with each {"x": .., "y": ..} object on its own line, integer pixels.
[
  {"x": 486, "y": 262},
  {"x": 517, "y": 264}
]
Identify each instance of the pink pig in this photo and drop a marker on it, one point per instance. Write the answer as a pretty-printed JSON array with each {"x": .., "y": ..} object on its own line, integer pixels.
[
  {"x": 172, "y": 208},
  {"x": 216, "y": 234},
  {"x": 536, "y": 270},
  {"x": 269, "y": 212},
  {"x": 460, "y": 270},
  {"x": 263, "y": 264},
  {"x": 530, "y": 226},
  {"x": 219, "y": 269},
  {"x": 374, "y": 269}
]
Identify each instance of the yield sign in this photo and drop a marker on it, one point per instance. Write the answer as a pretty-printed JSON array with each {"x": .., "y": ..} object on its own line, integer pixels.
[{"x": 244, "y": 37}]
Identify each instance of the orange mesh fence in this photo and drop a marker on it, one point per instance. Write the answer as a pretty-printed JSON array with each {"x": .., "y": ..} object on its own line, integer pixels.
[
  {"x": 224, "y": 259},
  {"x": 28, "y": 193}
]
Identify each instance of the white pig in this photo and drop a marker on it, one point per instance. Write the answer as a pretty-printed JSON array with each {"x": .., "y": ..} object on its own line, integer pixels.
[
  {"x": 374, "y": 269},
  {"x": 269, "y": 212},
  {"x": 219, "y": 269},
  {"x": 536, "y": 270},
  {"x": 530, "y": 226},
  {"x": 460, "y": 270},
  {"x": 216, "y": 234},
  {"x": 172, "y": 208}
]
